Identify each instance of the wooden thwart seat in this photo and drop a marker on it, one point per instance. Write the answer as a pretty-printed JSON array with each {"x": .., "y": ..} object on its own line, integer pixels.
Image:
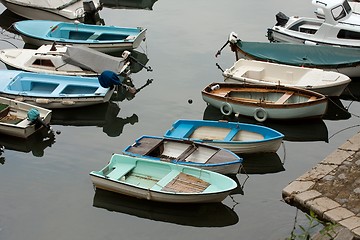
[{"x": 284, "y": 98}]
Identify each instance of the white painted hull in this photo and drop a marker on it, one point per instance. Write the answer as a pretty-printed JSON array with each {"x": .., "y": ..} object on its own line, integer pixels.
[
  {"x": 118, "y": 187},
  {"x": 328, "y": 83},
  {"x": 268, "y": 146},
  {"x": 72, "y": 13},
  {"x": 22, "y": 129},
  {"x": 223, "y": 169}
]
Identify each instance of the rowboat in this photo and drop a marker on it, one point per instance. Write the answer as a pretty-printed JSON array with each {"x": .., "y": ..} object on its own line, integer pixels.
[
  {"x": 161, "y": 181},
  {"x": 345, "y": 60},
  {"x": 336, "y": 24},
  {"x": 328, "y": 83},
  {"x": 64, "y": 60},
  {"x": 60, "y": 10},
  {"x": 101, "y": 38},
  {"x": 234, "y": 136},
  {"x": 185, "y": 152},
  {"x": 265, "y": 102},
  {"x": 52, "y": 91},
  {"x": 20, "y": 119},
  {"x": 196, "y": 215}
]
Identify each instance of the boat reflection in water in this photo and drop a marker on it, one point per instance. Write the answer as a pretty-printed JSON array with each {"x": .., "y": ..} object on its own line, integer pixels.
[
  {"x": 36, "y": 143},
  {"x": 102, "y": 115},
  {"x": 197, "y": 215},
  {"x": 262, "y": 163},
  {"x": 7, "y": 19},
  {"x": 129, "y": 4},
  {"x": 352, "y": 92},
  {"x": 297, "y": 131},
  {"x": 336, "y": 110}
]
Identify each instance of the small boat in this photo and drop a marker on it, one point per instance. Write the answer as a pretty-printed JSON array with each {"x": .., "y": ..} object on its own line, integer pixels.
[
  {"x": 52, "y": 91},
  {"x": 59, "y": 10},
  {"x": 234, "y": 136},
  {"x": 162, "y": 181},
  {"x": 336, "y": 24},
  {"x": 345, "y": 60},
  {"x": 20, "y": 119},
  {"x": 64, "y": 60},
  {"x": 328, "y": 83},
  {"x": 101, "y": 38},
  {"x": 264, "y": 101},
  {"x": 185, "y": 152}
]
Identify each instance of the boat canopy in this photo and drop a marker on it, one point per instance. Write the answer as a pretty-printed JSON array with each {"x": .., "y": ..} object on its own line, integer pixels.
[{"x": 301, "y": 54}]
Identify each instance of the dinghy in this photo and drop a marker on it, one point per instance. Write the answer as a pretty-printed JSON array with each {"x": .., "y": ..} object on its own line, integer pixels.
[
  {"x": 59, "y": 10},
  {"x": 345, "y": 60},
  {"x": 162, "y": 181},
  {"x": 20, "y": 119},
  {"x": 234, "y": 136},
  {"x": 265, "y": 102},
  {"x": 52, "y": 91},
  {"x": 101, "y": 38},
  {"x": 64, "y": 60},
  {"x": 328, "y": 83},
  {"x": 336, "y": 24},
  {"x": 185, "y": 152}
]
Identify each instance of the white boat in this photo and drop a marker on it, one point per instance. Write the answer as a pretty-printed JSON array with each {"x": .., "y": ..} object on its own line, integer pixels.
[
  {"x": 162, "y": 181},
  {"x": 328, "y": 83},
  {"x": 265, "y": 101},
  {"x": 59, "y": 10},
  {"x": 64, "y": 60},
  {"x": 20, "y": 119},
  {"x": 336, "y": 24}
]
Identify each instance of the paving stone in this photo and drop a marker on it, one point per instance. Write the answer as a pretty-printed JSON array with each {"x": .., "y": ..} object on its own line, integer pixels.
[
  {"x": 317, "y": 172},
  {"x": 321, "y": 205},
  {"x": 353, "y": 144},
  {"x": 338, "y": 214},
  {"x": 356, "y": 231},
  {"x": 351, "y": 223},
  {"x": 303, "y": 197},
  {"x": 297, "y": 187},
  {"x": 337, "y": 157}
]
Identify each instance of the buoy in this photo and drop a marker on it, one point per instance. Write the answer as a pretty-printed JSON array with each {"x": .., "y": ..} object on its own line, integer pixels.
[{"x": 190, "y": 101}]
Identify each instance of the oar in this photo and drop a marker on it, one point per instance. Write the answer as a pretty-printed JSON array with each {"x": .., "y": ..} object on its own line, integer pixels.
[{"x": 219, "y": 51}]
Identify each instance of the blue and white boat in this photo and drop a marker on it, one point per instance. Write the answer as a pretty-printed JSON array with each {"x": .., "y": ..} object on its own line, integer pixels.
[
  {"x": 234, "y": 136},
  {"x": 102, "y": 38},
  {"x": 52, "y": 91},
  {"x": 185, "y": 152}
]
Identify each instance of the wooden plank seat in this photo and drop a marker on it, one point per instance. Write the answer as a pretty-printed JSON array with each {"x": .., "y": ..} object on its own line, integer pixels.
[{"x": 284, "y": 98}]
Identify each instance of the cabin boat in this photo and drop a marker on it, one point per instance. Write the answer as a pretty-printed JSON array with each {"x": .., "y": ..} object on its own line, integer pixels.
[
  {"x": 15, "y": 120},
  {"x": 161, "y": 181},
  {"x": 108, "y": 39},
  {"x": 185, "y": 152},
  {"x": 59, "y": 10},
  {"x": 345, "y": 60},
  {"x": 234, "y": 136},
  {"x": 336, "y": 24},
  {"x": 52, "y": 91},
  {"x": 328, "y": 83},
  {"x": 64, "y": 60},
  {"x": 264, "y": 101}
]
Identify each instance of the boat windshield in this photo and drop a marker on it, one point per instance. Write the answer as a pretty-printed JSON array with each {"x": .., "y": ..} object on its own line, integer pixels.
[{"x": 338, "y": 12}]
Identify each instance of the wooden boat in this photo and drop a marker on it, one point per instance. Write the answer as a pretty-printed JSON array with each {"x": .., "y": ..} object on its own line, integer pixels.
[
  {"x": 265, "y": 102},
  {"x": 328, "y": 83},
  {"x": 336, "y": 24},
  {"x": 185, "y": 152},
  {"x": 52, "y": 91},
  {"x": 60, "y": 10},
  {"x": 234, "y": 136},
  {"x": 102, "y": 38},
  {"x": 161, "y": 181},
  {"x": 345, "y": 60},
  {"x": 16, "y": 121},
  {"x": 64, "y": 60}
]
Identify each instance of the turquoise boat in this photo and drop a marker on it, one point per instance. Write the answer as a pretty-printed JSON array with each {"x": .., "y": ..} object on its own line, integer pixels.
[
  {"x": 234, "y": 136},
  {"x": 102, "y": 38},
  {"x": 345, "y": 60},
  {"x": 161, "y": 181},
  {"x": 185, "y": 152},
  {"x": 52, "y": 91}
]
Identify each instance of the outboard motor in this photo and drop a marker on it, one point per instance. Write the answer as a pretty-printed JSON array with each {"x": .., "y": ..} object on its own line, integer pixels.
[
  {"x": 91, "y": 13},
  {"x": 33, "y": 116},
  {"x": 281, "y": 19},
  {"x": 109, "y": 79}
]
